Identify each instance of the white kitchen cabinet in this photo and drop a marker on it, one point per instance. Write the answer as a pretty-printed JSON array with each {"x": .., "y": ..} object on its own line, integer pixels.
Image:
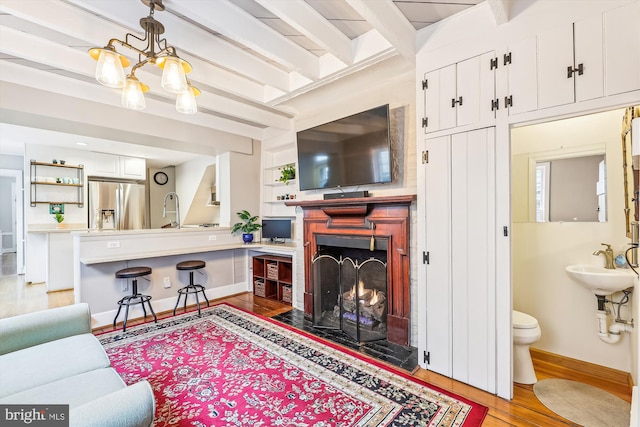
[
  {"x": 107, "y": 165},
  {"x": 460, "y": 243},
  {"x": 133, "y": 168},
  {"x": 570, "y": 61},
  {"x": 522, "y": 72},
  {"x": 60, "y": 262},
  {"x": 114, "y": 166},
  {"x": 622, "y": 49},
  {"x": 460, "y": 94}
]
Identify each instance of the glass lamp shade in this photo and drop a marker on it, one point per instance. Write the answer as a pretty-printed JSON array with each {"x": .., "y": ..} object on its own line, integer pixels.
[
  {"x": 132, "y": 94},
  {"x": 173, "y": 75},
  {"x": 186, "y": 101},
  {"x": 109, "y": 71}
]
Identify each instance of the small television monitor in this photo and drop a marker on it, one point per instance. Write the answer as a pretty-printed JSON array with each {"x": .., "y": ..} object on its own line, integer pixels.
[
  {"x": 351, "y": 151},
  {"x": 277, "y": 230}
]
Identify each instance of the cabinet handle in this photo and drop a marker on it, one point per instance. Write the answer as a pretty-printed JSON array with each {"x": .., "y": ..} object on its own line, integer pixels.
[{"x": 454, "y": 102}]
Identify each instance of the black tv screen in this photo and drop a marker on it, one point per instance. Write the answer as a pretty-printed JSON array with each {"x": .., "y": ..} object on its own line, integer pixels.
[
  {"x": 351, "y": 151},
  {"x": 276, "y": 229}
]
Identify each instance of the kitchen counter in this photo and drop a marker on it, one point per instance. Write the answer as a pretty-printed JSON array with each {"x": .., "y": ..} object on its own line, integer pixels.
[
  {"x": 52, "y": 228},
  {"x": 99, "y": 254}
]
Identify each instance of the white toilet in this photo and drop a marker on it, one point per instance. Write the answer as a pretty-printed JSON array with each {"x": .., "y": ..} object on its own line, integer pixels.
[{"x": 526, "y": 331}]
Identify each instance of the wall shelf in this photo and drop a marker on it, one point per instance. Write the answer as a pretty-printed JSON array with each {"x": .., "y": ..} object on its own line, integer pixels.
[{"x": 78, "y": 199}]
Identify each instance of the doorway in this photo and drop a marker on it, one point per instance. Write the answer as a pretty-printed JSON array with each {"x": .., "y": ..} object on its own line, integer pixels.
[
  {"x": 11, "y": 221},
  {"x": 545, "y": 241}
]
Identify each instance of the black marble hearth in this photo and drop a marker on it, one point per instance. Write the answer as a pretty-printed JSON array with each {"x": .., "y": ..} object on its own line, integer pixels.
[{"x": 383, "y": 350}]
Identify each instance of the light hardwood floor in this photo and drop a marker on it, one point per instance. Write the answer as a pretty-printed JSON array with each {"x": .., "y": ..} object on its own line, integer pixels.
[{"x": 524, "y": 410}]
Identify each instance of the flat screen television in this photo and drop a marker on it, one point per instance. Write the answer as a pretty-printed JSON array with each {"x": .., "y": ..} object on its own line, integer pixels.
[
  {"x": 351, "y": 151},
  {"x": 277, "y": 230}
]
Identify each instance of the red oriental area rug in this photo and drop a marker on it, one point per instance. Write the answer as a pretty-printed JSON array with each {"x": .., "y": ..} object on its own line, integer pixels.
[{"x": 233, "y": 368}]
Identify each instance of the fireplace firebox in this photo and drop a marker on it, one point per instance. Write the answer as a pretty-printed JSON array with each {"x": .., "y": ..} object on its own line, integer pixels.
[{"x": 350, "y": 287}]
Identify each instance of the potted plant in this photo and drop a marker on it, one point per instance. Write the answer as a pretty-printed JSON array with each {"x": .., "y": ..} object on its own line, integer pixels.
[
  {"x": 248, "y": 225},
  {"x": 59, "y": 218},
  {"x": 287, "y": 173}
]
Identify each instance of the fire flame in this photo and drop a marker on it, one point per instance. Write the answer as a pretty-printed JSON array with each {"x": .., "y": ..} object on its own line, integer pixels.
[{"x": 373, "y": 298}]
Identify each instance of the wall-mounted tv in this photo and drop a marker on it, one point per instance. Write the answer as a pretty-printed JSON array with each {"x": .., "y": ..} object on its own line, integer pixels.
[{"x": 354, "y": 150}]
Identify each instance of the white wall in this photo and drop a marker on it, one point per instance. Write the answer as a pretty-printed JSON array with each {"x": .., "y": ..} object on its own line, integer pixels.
[
  {"x": 239, "y": 184},
  {"x": 541, "y": 251},
  {"x": 156, "y": 196},
  {"x": 189, "y": 178}
]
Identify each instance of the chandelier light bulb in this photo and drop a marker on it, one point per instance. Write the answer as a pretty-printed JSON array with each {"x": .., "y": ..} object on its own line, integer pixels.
[
  {"x": 186, "y": 101},
  {"x": 109, "y": 71},
  {"x": 173, "y": 76},
  {"x": 132, "y": 94}
]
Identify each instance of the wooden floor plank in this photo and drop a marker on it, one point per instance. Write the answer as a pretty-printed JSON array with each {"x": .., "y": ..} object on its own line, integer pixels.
[{"x": 525, "y": 410}]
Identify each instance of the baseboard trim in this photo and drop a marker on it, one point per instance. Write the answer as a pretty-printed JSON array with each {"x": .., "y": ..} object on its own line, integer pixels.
[
  {"x": 614, "y": 375},
  {"x": 105, "y": 318}
]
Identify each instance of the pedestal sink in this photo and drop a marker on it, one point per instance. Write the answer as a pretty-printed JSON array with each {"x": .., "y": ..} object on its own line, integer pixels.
[{"x": 600, "y": 280}]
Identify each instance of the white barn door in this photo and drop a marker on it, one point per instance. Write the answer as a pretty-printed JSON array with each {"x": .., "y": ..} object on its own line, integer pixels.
[{"x": 460, "y": 238}]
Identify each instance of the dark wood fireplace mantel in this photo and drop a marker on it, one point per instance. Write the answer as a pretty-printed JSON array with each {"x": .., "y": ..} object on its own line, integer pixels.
[{"x": 386, "y": 217}]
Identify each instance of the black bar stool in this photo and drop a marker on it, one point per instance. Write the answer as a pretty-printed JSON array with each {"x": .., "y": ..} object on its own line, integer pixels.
[
  {"x": 191, "y": 288},
  {"x": 135, "y": 297}
]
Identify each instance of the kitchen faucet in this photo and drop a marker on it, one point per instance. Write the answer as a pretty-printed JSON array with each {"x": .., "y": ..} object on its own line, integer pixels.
[
  {"x": 608, "y": 254},
  {"x": 170, "y": 195}
]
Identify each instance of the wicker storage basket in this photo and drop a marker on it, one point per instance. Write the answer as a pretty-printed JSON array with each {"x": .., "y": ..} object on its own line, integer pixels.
[
  {"x": 286, "y": 294},
  {"x": 272, "y": 271},
  {"x": 259, "y": 288}
]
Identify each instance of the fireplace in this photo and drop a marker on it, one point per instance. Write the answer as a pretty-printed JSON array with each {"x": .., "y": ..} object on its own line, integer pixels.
[
  {"x": 346, "y": 239},
  {"x": 350, "y": 286}
]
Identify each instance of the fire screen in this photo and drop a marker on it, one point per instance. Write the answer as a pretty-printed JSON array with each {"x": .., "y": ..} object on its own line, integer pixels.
[{"x": 350, "y": 292}]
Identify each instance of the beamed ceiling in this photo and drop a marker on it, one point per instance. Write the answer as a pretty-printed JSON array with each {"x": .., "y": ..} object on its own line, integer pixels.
[{"x": 251, "y": 59}]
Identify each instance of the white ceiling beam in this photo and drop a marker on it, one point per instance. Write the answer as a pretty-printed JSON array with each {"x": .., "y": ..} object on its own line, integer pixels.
[
  {"x": 500, "y": 10},
  {"x": 85, "y": 25},
  {"x": 236, "y": 24},
  {"x": 304, "y": 18},
  {"x": 20, "y": 44},
  {"x": 28, "y": 106},
  {"x": 72, "y": 88},
  {"x": 389, "y": 21}
]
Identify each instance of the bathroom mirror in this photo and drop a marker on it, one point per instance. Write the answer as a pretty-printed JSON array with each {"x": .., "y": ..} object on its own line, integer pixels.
[
  {"x": 630, "y": 177},
  {"x": 559, "y": 168}
]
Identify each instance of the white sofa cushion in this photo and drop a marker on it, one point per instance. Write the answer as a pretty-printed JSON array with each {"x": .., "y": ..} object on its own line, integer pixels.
[
  {"x": 45, "y": 363},
  {"x": 94, "y": 384}
]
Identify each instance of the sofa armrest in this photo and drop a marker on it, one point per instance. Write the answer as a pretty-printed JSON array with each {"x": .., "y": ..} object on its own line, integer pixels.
[
  {"x": 27, "y": 330},
  {"x": 132, "y": 406}
]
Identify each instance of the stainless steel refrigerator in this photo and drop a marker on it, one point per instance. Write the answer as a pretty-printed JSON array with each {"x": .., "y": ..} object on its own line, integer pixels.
[{"x": 116, "y": 205}]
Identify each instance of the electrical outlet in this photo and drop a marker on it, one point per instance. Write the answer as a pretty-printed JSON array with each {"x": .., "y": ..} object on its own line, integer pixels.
[
  {"x": 125, "y": 286},
  {"x": 213, "y": 237},
  {"x": 167, "y": 282},
  {"x": 113, "y": 244}
]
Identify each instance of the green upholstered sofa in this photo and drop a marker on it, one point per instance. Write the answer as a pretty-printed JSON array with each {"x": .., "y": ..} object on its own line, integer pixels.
[{"x": 51, "y": 357}]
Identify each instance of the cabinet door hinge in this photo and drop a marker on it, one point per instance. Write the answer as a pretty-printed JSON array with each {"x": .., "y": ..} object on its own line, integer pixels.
[
  {"x": 505, "y": 231},
  {"x": 425, "y": 157},
  {"x": 508, "y": 101},
  {"x": 427, "y": 357},
  {"x": 425, "y": 122},
  {"x": 507, "y": 58},
  {"x": 493, "y": 63},
  {"x": 456, "y": 101},
  {"x": 495, "y": 104},
  {"x": 425, "y": 84},
  {"x": 425, "y": 257}
]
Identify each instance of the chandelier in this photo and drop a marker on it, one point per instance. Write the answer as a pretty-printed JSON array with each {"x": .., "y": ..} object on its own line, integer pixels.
[{"x": 111, "y": 65}]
